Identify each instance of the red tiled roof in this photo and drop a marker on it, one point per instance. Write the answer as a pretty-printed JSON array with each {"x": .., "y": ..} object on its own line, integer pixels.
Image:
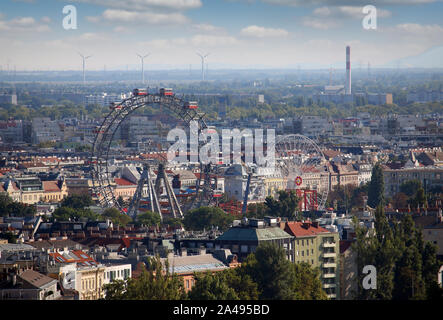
[
  {"x": 303, "y": 229},
  {"x": 78, "y": 256},
  {"x": 123, "y": 182},
  {"x": 50, "y": 186}
]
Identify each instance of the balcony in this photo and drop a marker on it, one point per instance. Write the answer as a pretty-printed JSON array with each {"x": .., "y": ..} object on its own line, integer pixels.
[
  {"x": 328, "y": 254},
  {"x": 329, "y": 265},
  {"x": 329, "y": 275},
  {"x": 328, "y": 244},
  {"x": 329, "y": 285}
]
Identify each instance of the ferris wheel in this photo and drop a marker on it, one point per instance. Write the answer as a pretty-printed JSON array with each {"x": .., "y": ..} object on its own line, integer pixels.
[
  {"x": 101, "y": 171},
  {"x": 303, "y": 166}
]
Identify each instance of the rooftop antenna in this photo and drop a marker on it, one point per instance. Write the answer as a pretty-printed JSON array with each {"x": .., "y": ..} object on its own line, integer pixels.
[
  {"x": 203, "y": 57},
  {"x": 84, "y": 63},
  {"x": 142, "y": 58}
]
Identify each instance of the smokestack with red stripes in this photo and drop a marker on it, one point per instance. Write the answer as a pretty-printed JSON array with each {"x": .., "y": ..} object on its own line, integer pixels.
[{"x": 348, "y": 70}]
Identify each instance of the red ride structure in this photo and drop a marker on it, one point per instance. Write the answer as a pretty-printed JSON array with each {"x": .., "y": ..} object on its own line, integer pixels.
[{"x": 308, "y": 199}]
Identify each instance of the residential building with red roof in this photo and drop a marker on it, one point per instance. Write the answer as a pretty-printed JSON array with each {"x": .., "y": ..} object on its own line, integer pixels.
[
  {"x": 318, "y": 247},
  {"x": 124, "y": 188},
  {"x": 78, "y": 271}
]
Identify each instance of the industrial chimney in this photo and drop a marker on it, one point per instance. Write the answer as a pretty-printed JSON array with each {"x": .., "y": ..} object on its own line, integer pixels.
[{"x": 348, "y": 70}]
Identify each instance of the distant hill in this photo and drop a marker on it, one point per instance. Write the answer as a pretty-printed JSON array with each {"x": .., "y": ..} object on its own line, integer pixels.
[{"x": 431, "y": 58}]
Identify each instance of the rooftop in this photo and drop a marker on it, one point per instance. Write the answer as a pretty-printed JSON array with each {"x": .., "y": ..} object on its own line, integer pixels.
[
  {"x": 250, "y": 233},
  {"x": 303, "y": 229},
  {"x": 35, "y": 279}
]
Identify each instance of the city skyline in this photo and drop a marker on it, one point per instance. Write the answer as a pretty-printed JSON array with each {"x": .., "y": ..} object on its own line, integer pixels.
[{"x": 240, "y": 34}]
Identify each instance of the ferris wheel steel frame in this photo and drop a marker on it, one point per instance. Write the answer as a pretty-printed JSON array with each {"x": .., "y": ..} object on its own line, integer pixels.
[
  {"x": 101, "y": 177},
  {"x": 289, "y": 163}
]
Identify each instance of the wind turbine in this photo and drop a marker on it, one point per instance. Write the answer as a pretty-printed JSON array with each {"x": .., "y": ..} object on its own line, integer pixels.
[
  {"x": 142, "y": 58},
  {"x": 203, "y": 64},
  {"x": 84, "y": 62}
]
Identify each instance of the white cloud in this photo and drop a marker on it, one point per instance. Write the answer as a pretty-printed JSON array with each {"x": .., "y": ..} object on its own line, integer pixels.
[
  {"x": 341, "y": 2},
  {"x": 332, "y": 17},
  {"x": 213, "y": 41},
  {"x": 146, "y": 4},
  {"x": 121, "y": 29},
  {"x": 46, "y": 19},
  {"x": 125, "y": 16},
  {"x": 205, "y": 27},
  {"x": 23, "y": 24},
  {"x": 318, "y": 23},
  {"x": 419, "y": 29},
  {"x": 262, "y": 32}
]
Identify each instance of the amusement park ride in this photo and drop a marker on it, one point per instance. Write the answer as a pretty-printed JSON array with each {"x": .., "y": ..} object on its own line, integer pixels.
[{"x": 160, "y": 196}]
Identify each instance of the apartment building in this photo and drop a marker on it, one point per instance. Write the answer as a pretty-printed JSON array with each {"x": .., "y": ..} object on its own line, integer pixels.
[
  {"x": 44, "y": 129},
  {"x": 430, "y": 177},
  {"x": 318, "y": 247}
]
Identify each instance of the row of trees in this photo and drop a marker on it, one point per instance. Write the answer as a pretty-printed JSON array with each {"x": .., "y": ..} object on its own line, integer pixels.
[
  {"x": 266, "y": 274},
  {"x": 286, "y": 205},
  {"x": 406, "y": 265}
]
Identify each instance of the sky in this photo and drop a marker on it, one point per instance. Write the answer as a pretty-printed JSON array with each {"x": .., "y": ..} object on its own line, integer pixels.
[{"x": 238, "y": 34}]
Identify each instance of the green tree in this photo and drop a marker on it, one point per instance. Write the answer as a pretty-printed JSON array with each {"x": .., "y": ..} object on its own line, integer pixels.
[
  {"x": 406, "y": 266},
  {"x": 9, "y": 207},
  {"x": 173, "y": 222},
  {"x": 257, "y": 210},
  {"x": 273, "y": 273},
  {"x": 410, "y": 187},
  {"x": 210, "y": 286},
  {"x": 376, "y": 187},
  {"x": 376, "y": 247},
  {"x": 399, "y": 200},
  {"x": 155, "y": 283},
  {"x": 242, "y": 283},
  {"x": 77, "y": 201},
  {"x": 5, "y": 201},
  {"x": 307, "y": 284},
  {"x": 285, "y": 206},
  {"x": 71, "y": 214},
  {"x": 419, "y": 198},
  {"x": 115, "y": 290},
  {"x": 149, "y": 218},
  {"x": 116, "y": 216},
  {"x": 206, "y": 218}
]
